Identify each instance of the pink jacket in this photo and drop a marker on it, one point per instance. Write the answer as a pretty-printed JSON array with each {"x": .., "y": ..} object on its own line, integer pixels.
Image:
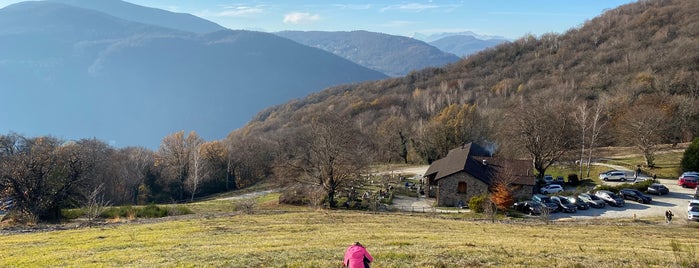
[{"x": 354, "y": 257}]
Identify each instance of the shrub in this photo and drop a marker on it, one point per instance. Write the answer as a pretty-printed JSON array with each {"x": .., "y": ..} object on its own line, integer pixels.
[
  {"x": 178, "y": 210},
  {"x": 573, "y": 179},
  {"x": 72, "y": 213},
  {"x": 247, "y": 206},
  {"x": 151, "y": 211},
  {"x": 476, "y": 203},
  {"x": 294, "y": 196}
]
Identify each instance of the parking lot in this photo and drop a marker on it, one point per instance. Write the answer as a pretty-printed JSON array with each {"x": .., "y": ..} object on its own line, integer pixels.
[{"x": 676, "y": 201}]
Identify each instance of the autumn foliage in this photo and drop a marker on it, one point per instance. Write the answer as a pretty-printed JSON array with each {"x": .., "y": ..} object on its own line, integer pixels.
[{"x": 501, "y": 196}]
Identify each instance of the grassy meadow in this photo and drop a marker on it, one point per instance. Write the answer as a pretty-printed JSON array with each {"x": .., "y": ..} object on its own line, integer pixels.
[
  {"x": 318, "y": 238},
  {"x": 219, "y": 234}
]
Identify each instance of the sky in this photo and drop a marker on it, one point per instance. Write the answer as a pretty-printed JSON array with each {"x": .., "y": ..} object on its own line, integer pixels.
[{"x": 507, "y": 18}]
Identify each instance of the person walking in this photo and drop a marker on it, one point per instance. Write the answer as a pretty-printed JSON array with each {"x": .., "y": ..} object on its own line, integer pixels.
[
  {"x": 356, "y": 256},
  {"x": 668, "y": 216}
]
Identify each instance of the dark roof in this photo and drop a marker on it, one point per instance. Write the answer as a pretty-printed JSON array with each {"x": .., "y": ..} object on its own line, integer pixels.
[{"x": 470, "y": 159}]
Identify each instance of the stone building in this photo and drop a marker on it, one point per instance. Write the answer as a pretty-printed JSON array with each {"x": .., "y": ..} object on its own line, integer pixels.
[{"x": 470, "y": 170}]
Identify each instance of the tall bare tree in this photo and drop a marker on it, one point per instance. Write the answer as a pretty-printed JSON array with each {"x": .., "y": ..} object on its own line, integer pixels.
[
  {"x": 175, "y": 155},
  {"x": 542, "y": 129},
  {"x": 329, "y": 153},
  {"x": 590, "y": 120},
  {"x": 644, "y": 127}
]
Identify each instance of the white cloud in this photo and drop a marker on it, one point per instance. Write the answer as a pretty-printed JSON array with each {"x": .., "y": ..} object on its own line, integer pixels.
[
  {"x": 411, "y": 7},
  {"x": 300, "y": 17},
  {"x": 240, "y": 11},
  {"x": 418, "y": 7},
  {"x": 353, "y": 6}
]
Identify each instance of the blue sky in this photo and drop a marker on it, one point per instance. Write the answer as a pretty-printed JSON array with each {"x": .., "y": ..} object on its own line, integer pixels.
[{"x": 511, "y": 19}]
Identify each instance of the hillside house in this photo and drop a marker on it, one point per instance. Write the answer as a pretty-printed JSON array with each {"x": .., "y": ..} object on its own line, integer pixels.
[{"x": 470, "y": 170}]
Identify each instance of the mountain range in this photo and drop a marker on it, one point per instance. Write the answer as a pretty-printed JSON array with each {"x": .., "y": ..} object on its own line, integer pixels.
[
  {"x": 389, "y": 54},
  {"x": 74, "y": 71}
]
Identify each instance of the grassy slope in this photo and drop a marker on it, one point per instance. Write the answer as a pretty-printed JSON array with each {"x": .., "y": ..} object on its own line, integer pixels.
[
  {"x": 300, "y": 238},
  {"x": 318, "y": 239}
]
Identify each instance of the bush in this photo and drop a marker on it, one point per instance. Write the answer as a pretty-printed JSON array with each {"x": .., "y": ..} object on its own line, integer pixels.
[
  {"x": 294, "y": 196},
  {"x": 72, "y": 213},
  {"x": 151, "y": 211},
  {"x": 690, "y": 158},
  {"x": 179, "y": 210},
  {"x": 573, "y": 179},
  {"x": 476, "y": 203}
]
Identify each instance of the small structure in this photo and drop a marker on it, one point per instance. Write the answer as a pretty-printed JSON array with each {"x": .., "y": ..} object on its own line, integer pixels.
[{"x": 470, "y": 170}]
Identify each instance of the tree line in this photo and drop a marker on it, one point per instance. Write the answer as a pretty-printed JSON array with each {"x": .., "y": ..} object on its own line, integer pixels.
[{"x": 42, "y": 175}]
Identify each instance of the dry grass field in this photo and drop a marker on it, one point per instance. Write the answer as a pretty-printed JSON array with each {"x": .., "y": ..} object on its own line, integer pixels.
[
  {"x": 318, "y": 238},
  {"x": 218, "y": 234}
]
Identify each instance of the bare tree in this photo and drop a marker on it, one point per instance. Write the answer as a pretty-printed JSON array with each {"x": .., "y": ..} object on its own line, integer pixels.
[
  {"x": 598, "y": 123},
  {"x": 44, "y": 176},
  {"x": 175, "y": 154},
  {"x": 135, "y": 165},
  {"x": 329, "y": 153},
  {"x": 581, "y": 116},
  {"x": 96, "y": 204},
  {"x": 542, "y": 129},
  {"x": 643, "y": 127},
  {"x": 591, "y": 121}
]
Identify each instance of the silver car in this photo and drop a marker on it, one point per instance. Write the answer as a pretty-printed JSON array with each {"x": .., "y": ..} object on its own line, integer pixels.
[{"x": 610, "y": 198}]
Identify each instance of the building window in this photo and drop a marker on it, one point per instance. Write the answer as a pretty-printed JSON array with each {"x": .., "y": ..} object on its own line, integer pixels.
[{"x": 462, "y": 187}]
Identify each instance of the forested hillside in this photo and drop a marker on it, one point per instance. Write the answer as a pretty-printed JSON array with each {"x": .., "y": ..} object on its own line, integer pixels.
[{"x": 634, "y": 70}]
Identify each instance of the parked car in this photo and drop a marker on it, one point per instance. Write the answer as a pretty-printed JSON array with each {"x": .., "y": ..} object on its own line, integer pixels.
[
  {"x": 564, "y": 205},
  {"x": 545, "y": 201},
  {"x": 690, "y": 173},
  {"x": 657, "y": 189},
  {"x": 636, "y": 195},
  {"x": 613, "y": 176},
  {"x": 579, "y": 203},
  {"x": 548, "y": 179},
  {"x": 688, "y": 181},
  {"x": 592, "y": 200},
  {"x": 693, "y": 210},
  {"x": 611, "y": 198},
  {"x": 551, "y": 189},
  {"x": 528, "y": 207}
]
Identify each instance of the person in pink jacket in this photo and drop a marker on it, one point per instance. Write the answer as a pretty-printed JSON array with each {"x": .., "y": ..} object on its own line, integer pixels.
[{"x": 356, "y": 256}]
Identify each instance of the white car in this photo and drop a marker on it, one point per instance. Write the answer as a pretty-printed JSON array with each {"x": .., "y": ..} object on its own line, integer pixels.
[
  {"x": 551, "y": 189},
  {"x": 693, "y": 210},
  {"x": 613, "y": 176}
]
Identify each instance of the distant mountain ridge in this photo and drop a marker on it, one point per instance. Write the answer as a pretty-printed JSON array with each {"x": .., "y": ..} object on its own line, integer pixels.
[
  {"x": 464, "y": 45},
  {"x": 147, "y": 15},
  {"x": 77, "y": 73},
  {"x": 390, "y": 54}
]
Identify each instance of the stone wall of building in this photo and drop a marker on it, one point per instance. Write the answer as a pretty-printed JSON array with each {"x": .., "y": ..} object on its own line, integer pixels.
[{"x": 448, "y": 195}]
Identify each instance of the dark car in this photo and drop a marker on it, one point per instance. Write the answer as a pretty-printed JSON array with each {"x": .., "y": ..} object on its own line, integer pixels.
[
  {"x": 658, "y": 189},
  {"x": 528, "y": 207},
  {"x": 636, "y": 195},
  {"x": 579, "y": 203},
  {"x": 563, "y": 204},
  {"x": 592, "y": 200},
  {"x": 545, "y": 201},
  {"x": 610, "y": 198}
]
